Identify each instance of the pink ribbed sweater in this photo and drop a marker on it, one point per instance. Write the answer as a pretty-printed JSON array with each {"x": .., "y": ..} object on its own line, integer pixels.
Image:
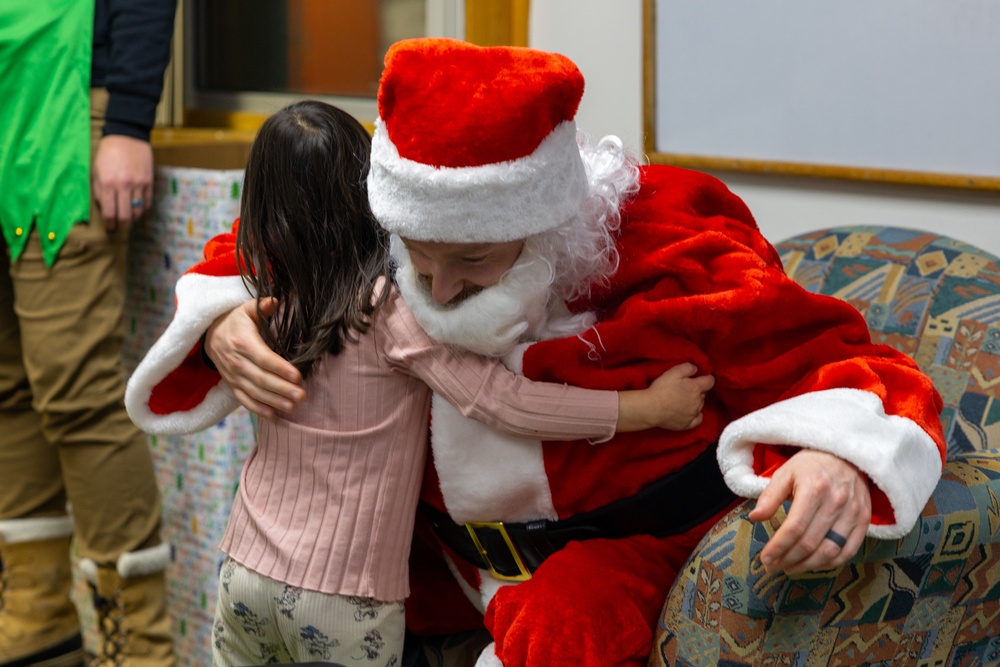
[{"x": 328, "y": 496}]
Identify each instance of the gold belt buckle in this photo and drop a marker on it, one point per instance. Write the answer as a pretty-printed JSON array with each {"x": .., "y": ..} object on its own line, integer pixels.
[{"x": 523, "y": 573}]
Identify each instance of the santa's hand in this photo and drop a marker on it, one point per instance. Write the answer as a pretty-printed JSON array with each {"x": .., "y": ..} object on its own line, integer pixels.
[
  {"x": 828, "y": 517},
  {"x": 673, "y": 401},
  {"x": 261, "y": 380}
]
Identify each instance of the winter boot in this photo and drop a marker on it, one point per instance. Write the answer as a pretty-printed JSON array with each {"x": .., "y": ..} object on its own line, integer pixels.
[
  {"x": 38, "y": 622},
  {"x": 131, "y": 605}
]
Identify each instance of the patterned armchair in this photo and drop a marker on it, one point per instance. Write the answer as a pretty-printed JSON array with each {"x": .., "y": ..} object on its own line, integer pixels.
[{"x": 930, "y": 598}]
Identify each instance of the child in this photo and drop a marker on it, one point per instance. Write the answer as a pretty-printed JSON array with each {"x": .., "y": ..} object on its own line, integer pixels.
[{"x": 317, "y": 541}]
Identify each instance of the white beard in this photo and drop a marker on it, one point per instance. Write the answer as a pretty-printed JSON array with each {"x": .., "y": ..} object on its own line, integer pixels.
[
  {"x": 494, "y": 320},
  {"x": 483, "y": 472}
]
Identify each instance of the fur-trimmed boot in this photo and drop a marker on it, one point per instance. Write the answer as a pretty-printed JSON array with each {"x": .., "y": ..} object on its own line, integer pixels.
[
  {"x": 39, "y": 626},
  {"x": 130, "y": 599}
]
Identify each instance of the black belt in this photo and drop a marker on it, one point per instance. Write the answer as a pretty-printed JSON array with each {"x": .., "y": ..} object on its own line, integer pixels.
[{"x": 668, "y": 506}]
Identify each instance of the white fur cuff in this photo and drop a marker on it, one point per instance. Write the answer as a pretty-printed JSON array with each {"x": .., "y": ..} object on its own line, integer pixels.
[
  {"x": 902, "y": 459},
  {"x": 132, "y": 564},
  {"x": 200, "y": 300},
  {"x": 35, "y": 529}
]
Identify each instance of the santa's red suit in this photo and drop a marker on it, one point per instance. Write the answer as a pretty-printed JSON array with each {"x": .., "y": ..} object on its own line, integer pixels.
[{"x": 697, "y": 282}]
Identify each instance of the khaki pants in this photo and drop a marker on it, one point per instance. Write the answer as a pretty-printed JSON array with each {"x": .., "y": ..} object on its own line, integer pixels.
[{"x": 64, "y": 432}]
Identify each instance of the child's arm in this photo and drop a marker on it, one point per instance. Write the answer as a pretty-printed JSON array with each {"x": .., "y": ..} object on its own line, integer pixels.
[
  {"x": 485, "y": 390},
  {"x": 673, "y": 401}
]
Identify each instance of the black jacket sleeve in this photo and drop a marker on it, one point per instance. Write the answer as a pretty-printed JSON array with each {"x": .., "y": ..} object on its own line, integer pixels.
[{"x": 131, "y": 51}]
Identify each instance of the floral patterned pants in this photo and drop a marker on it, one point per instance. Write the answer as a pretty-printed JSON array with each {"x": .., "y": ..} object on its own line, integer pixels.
[{"x": 260, "y": 621}]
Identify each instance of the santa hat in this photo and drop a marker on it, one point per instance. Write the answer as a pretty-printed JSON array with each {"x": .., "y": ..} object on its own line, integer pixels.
[{"x": 475, "y": 144}]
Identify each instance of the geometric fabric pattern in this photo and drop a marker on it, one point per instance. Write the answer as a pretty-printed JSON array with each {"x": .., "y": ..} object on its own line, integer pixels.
[
  {"x": 929, "y": 598},
  {"x": 929, "y": 296}
]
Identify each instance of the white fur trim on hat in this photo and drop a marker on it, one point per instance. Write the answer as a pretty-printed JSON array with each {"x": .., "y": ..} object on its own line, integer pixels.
[
  {"x": 491, "y": 203},
  {"x": 895, "y": 453}
]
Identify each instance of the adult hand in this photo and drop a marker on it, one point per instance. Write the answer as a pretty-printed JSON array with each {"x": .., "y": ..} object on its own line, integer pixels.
[
  {"x": 261, "y": 380},
  {"x": 122, "y": 179},
  {"x": 827, "y": 493}
]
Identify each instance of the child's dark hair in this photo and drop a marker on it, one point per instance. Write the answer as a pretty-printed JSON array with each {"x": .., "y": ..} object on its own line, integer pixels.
[{"x": 307, "y": 235}]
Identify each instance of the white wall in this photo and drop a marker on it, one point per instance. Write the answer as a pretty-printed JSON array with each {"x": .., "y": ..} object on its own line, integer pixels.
[{"x": 604, "y": 38}]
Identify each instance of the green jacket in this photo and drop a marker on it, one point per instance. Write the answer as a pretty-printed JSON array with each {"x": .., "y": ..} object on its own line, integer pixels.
[{"x": 45, "y": 51}]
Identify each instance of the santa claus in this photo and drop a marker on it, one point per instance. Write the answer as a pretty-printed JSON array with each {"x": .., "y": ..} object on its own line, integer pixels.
[{"x": 514, "y": 238}]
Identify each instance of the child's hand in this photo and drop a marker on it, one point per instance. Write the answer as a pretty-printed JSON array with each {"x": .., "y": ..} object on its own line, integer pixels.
[
  {"x": 680, "y": 396},
  {"x": 673, "y": 401}
]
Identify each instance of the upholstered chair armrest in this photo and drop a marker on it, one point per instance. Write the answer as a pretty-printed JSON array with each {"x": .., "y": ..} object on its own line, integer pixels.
[{"x": 931, "y": 595}]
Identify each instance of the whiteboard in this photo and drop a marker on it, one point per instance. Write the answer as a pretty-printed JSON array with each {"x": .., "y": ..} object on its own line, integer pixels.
[{"x": 879, "y": 89}]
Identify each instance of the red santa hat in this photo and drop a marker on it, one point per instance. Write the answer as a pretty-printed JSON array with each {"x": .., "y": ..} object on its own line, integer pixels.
[{"x": 475, "y": 144}]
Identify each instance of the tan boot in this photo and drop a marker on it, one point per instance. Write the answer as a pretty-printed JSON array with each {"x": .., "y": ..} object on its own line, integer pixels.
[
  {"x": 38, "y": 622},
  {"x": 131, "y": 605}
]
